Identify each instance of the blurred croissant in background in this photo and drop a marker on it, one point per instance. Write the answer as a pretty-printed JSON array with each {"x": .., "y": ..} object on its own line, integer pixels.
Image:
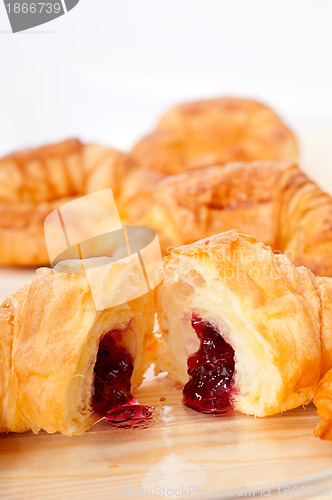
[
  {"x": 215, "y": 131},
  {"x": 274, "y": 202},
  {"x": 35, "y": 182}
]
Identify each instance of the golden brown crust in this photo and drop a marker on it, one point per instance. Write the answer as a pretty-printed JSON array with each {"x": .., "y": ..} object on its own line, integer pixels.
[
  {"x": 323, "y": 402},
  {"x": 323, "y": 393},
  {"x": 275, "y": 202},
  {"x": 265, "y": 307},
  {"x": 34, "y": 182},
  {"x": 324, "y": 290},
  {"x": 215, "y": 131},
  {"x": 42, "y": 174},
  {"x": 49, "y": 337}
]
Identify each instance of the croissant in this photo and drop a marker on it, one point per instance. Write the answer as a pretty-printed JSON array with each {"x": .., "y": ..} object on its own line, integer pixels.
[
  {"x": 215, "y": 131},
  {"x": 323, "y": 402},
  {"x": 275, "y": 202},
  {"x": 63, "y": 363},
  {"x": 323, "y": 393},
  {"x": 241, "y": 326},
  {"x": 35, "y": 182}
]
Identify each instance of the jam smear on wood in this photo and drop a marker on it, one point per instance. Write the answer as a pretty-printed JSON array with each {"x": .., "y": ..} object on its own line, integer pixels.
[
  {"x": 211, "y": 371},
  {"x": 112, "y": 398}
]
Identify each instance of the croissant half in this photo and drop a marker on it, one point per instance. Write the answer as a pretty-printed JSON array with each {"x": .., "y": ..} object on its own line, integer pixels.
[
  {"x": 323, "y": 393},
  {"x": 242, "y": 327},
  {"x": 275, "y": 202},
  {"x": 215, "y": 131},
  {"x": 323, "y": 402},
  {"x": 52, "y": 339}
]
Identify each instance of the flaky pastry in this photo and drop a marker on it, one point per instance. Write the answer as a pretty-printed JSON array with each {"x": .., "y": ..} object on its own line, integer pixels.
[
  {"x": 63, "y": 364},
  {"x": 215, "y": 131},
  {"x": 275, "y": 202},
  {"x": 35, "y": 182},
  {"x": 241, "y": 326},
  {"x": 323, "y": 402},
  {"x": 323, "y": 393}
]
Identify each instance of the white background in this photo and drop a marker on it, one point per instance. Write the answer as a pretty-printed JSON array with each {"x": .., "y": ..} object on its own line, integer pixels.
[{"x": 106, "y": 70}]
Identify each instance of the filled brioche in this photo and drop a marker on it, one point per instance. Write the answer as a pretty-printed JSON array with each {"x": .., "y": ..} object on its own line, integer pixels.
[
  {"x": 241, "y": 327},
  {"x": 215, "y": 131},
  {"x": 64, "y": 364},
  {"x": 275, "y": 202}
]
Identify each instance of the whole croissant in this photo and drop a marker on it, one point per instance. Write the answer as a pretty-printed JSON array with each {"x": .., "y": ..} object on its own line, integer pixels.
[
  {"x": 35, "y": 182},
  {"x": 275, "y": 202},
  {"x": 50, "y": 338},
  {"x": 215, "y": 131},
  {"x": 243, "y": 328}
]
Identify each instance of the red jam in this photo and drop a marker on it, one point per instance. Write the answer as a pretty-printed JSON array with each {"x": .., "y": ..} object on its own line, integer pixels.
[
  {"x": 211, "y": 371},
  {"x": 113, "y": 370}
]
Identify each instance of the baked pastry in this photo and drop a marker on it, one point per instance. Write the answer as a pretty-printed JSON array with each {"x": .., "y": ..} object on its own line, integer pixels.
[
  {"x": 63, "y": 363},
  {"x": 323, "y": 393},
  {"x": 323, "y": 402},
  {"x": 275, "y": 202},
  {"x": 35, "y": 182},
  {"x": 215, "y": 131},
  {"x": 241, "y": 327},
  {"x": 136, "y": 196}
]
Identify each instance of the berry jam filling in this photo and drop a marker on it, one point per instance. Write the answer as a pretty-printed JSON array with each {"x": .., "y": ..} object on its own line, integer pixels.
[
  {"x": 211, "y": 371},
  {"x": 113, "y": 370}
]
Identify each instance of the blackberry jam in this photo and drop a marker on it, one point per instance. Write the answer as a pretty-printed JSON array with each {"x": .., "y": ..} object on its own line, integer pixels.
[{"x": 211, "y": 371}]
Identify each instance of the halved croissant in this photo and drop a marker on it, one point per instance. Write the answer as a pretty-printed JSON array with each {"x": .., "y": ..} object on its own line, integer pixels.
[
  {"x": 245, "y": 322},
  {"x": 50, "y": 333},
  {"x": 323, "y": 393},
  {"x": 35, "y": 182},
  {"x": 275, "y": 202},
  {"x": 323, "y": 402},
  {"x": 215, "y": 131}
]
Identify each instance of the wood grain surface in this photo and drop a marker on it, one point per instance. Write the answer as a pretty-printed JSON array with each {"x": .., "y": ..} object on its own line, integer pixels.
[{"x": 214, "y": 456}]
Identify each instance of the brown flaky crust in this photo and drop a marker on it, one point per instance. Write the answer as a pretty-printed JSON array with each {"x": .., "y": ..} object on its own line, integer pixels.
[
  {"x": 215, "y": 131},
  {"x": 323, "y": 402},
  {"x": 34, "y": 182},
  {"x": 49, "y": 338},
  {"x": 323, "y": 393},
  {"x": 271, "y": 312},
  {"x": 275, "y": 202}
]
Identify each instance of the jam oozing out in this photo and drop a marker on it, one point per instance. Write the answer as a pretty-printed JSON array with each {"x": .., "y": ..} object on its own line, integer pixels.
[
  {"x": 113, "y": 370},
  {"x": 211, "y": 371}
]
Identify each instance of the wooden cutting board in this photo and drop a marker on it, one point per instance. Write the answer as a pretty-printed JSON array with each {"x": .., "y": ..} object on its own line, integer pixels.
[{"x": 179, "y": 448}]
